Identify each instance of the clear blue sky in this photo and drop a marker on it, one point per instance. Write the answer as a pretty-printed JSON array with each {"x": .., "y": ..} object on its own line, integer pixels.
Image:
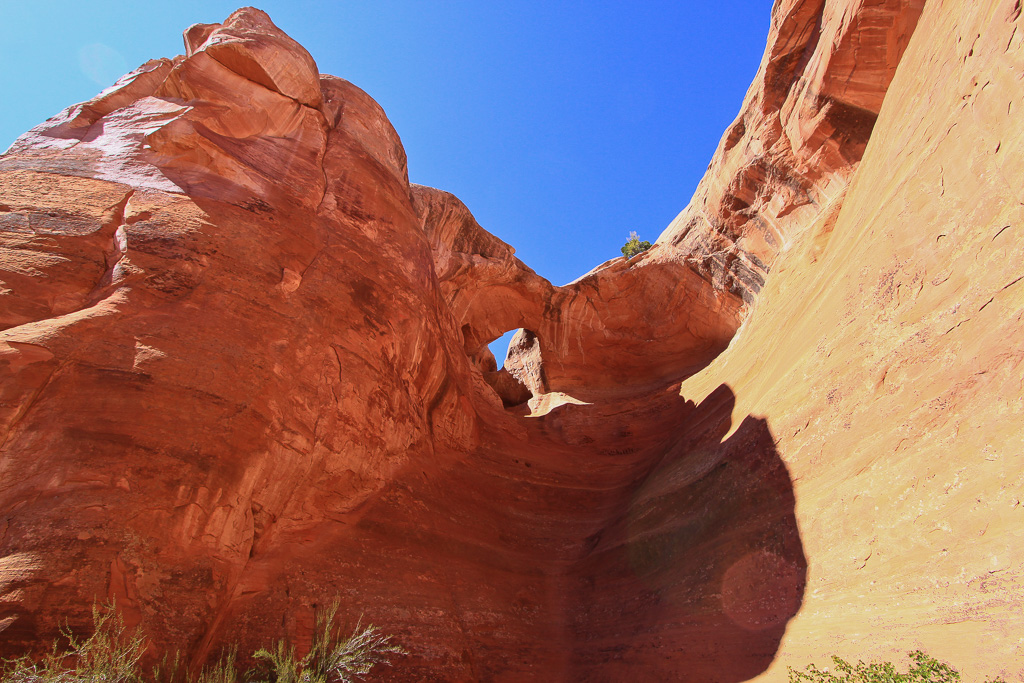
[{"x": 562, "y": 125}]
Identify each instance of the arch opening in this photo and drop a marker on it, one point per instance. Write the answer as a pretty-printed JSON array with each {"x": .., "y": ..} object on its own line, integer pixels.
[{"x": 519, "y": 377}]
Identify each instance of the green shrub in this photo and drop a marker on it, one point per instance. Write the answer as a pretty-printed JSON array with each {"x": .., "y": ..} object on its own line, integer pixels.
[
  {"x": 112, "y": 654},
  {"x": 331, "y": 657},
  {"x": 634, "y": 246},
  {"x": 925, "y": 669}
]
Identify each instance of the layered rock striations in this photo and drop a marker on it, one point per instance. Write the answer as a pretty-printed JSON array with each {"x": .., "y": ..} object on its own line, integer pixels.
[
  {"x": 226, "y": 335},
  {"x": 788, "y": 157},
  {"x": 245, "y": 370},
  {"x": 886, "y": 349}
]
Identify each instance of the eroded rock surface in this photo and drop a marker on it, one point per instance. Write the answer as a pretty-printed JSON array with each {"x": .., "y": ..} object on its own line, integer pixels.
[
  {"x": 886, "y": 349},
  {"x": 798, "y": 139},
  {"x": 245, "y": 370}
]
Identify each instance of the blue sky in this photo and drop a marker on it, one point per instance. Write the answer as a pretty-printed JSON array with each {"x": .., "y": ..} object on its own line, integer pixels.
[{"x": 562, "y": 125}]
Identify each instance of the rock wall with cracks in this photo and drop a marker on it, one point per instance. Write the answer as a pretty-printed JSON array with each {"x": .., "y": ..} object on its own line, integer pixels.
[{"x": 245, "y": 371}]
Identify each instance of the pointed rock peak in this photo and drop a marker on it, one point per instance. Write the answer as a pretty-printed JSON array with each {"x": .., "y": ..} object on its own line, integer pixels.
[{"x": 251, "y": 45}]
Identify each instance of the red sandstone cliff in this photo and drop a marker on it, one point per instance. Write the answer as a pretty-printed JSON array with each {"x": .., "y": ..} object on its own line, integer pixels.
[{"x": 245, "y": 370}]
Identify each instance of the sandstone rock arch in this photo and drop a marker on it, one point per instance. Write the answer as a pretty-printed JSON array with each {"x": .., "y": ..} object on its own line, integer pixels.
[{"x": 244, "y": 370}]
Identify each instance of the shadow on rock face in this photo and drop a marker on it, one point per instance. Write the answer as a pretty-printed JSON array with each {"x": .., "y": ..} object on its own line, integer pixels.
[{"x": 699, "y": 577}]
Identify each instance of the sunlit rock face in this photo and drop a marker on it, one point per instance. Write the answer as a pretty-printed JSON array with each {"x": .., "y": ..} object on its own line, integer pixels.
[
  {"x": 799, "y": 137},
  {"x": 885, "y": 351},
  {"x": 222, "y": 332},
  {"x": 245, "y": 370}
]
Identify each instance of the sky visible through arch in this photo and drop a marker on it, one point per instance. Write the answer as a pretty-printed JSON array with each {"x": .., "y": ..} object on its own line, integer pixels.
[{"x": 562, "y": 125}]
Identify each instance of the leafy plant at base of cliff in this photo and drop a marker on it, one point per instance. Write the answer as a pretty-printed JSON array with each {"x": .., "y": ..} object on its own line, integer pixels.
[
  {"x": 111, "y": 654},
  {"x": 634, "y": 246},
  {"x": 331, "y": 657},
  {"x": 925, "y": 669}
]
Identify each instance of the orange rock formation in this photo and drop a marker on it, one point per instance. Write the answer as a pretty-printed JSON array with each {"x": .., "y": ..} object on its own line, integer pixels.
[{"x": 245, "y": 370}]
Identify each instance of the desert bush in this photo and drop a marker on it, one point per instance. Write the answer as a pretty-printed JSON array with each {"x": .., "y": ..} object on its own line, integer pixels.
[
  {"x": 332, "y": 658},
  {"x": 634, "y": 246},
  {"x": 924, "y": 669},
  {"x": 113, "y": 654}
]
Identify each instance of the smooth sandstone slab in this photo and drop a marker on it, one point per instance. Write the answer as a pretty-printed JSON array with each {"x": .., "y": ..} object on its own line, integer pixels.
[{"x": 886, "y": 354}]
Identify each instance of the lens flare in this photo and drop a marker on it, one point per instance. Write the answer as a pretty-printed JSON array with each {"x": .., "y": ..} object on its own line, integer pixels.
[{"x": 101, "y": 64}]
